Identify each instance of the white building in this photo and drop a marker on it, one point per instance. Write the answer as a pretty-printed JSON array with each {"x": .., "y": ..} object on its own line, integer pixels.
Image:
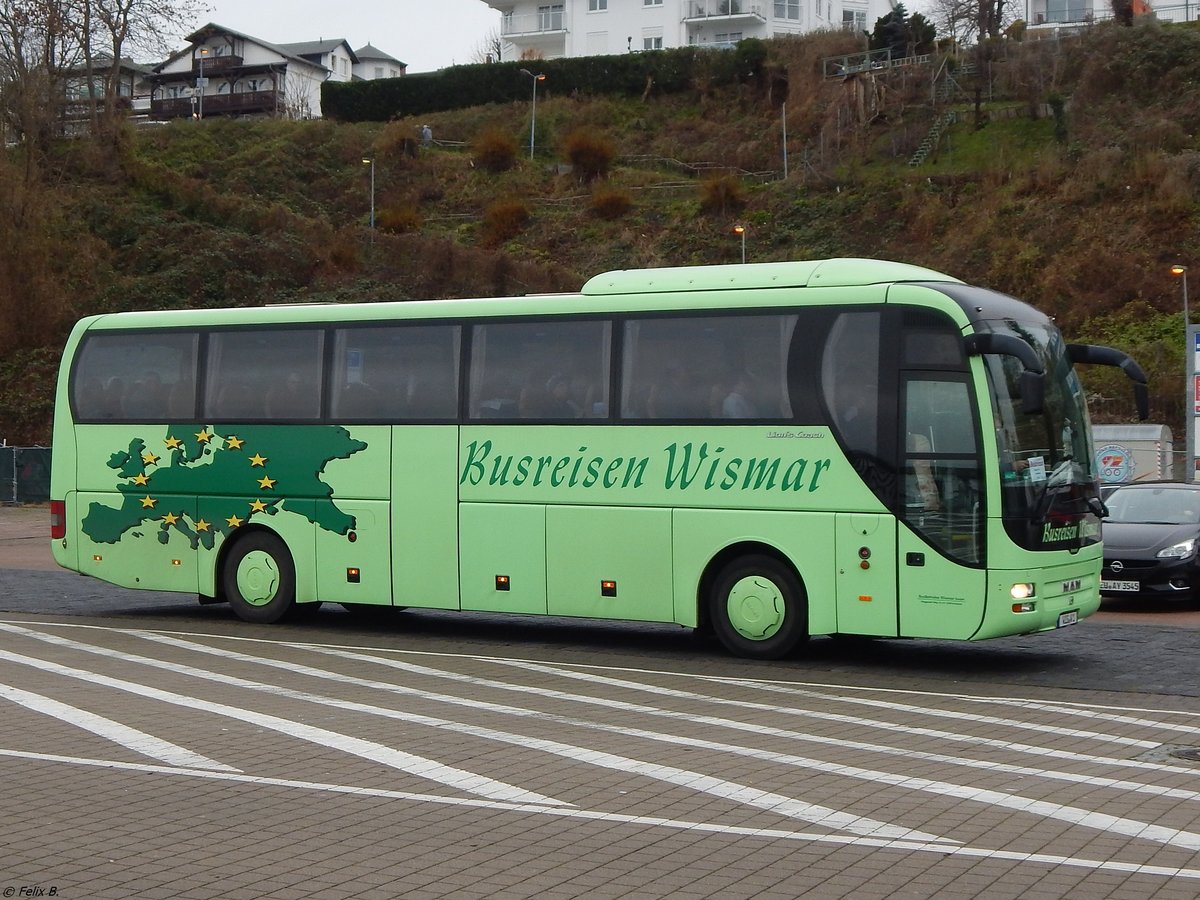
[
  {"x": 558, "y": 28},
  {"x": 374, "y": 64},
  {"x": 225, "y": 72}
]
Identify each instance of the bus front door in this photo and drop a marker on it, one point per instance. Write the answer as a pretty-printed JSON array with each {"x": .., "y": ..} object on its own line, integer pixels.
[{"x": 865, "y": 553}]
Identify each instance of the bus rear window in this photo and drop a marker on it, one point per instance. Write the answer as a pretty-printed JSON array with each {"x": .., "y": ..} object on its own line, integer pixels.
[{"x": 142, "y": 377}]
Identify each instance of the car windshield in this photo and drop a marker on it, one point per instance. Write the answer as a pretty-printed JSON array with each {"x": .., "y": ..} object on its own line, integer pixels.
[{"x": 1161, "y": 506}]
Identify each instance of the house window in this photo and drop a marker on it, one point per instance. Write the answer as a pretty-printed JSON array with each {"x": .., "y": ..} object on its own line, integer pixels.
[
  {"x": 854, "y": 20},
  {"x": 252, "y": 85},
  {"x": 652, "y": 43},
  {"x": 787, "y": 9},
  {"x": 652, "y": 2},
  {"x": 731, "y": 37},
  {"x": 597, "y": 5},
  {"x": 550, "y": 18},
  {"x": 379, "y": 71}
]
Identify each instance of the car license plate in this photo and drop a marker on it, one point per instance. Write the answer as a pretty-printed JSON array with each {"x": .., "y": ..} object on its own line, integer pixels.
[
  {"x": 1068, "y": 618},
  {"x": 1119, "y": 586}
]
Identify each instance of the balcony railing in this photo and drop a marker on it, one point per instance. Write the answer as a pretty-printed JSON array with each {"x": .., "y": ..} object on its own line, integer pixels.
[
  {"x": 729, "y": 9},
  {"x": 534, "y": 23},
  {"x": 214, "y": 64},
  {"x": 218, "y": 104}
]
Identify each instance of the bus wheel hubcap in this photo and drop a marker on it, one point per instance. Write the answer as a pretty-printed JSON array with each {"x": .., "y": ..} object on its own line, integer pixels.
[
  {"x": 756, "y": 608},
  {"x": 258, "y": 578}
]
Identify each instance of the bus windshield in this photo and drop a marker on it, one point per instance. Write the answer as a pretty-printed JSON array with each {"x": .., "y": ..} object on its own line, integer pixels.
[{"x": 1047, "y": 470}]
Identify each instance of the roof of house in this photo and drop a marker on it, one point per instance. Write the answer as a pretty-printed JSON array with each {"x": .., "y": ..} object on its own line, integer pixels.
[
  {"x": 367, "y": 51},
  {"x": 319, "y": 48},
  {"x": 204, "y": 33}
]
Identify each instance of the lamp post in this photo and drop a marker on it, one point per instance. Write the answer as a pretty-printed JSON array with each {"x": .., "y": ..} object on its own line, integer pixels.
[
  {"x": 200, "y": 82},
  {"x": 1189, "y": 397},
  {"x": 370, "y": 161},
  {"x": 533, "y": 114},
  {"x": 741, "y": 230}
]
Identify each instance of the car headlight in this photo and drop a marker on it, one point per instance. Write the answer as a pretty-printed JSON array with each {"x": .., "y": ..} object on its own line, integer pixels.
[{"x": 1178, "y": 551}]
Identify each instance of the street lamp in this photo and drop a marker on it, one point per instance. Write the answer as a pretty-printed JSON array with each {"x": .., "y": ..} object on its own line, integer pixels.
[
  {"x": 741, "y": 230},
  {"x": 533, "y": 116},
  {"x": 370, "y": 161},
  {"x": 1189, "y": 397},
  {"x": 200, "y": 82}
]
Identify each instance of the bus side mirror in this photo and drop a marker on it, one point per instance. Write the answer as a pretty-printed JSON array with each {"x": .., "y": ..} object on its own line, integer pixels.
[
  {"x": 1033, "y": 389},
  {"x": 1110, "y": 356}
]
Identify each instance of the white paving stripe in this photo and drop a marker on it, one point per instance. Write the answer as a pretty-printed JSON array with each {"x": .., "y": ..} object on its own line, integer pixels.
[
  {"x": 1104, "y": 715},
  {"x": 1007, "y": 746},
  {"x": 130, "y": 738},
  {"x": 396, "y": 759},
  {"x": 718, "y": 787},
  {"x": 734, "y": 831},
  {"x": 1076, "y": 816},
  {"x": 758, "y": 729}
]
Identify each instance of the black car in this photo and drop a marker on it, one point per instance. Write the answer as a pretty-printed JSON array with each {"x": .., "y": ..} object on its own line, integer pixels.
[{"x": 1150, "y": 541}]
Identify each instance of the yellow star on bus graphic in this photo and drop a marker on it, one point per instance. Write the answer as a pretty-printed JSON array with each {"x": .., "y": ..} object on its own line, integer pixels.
[
  {"x": 148, "y": 502},
  {"x": 257, "y": 460},
  {"x": 258, "y": 506},
  {"x": 234, "y": 521},
  {"x": 173, "y": 443},
  {"x": 267, "y": 483},
  {"x": 203, "y": 436},
  {"x": 170, "y": 518},
  {"x": 149, "y": 458},
  {"x": 233, "y": 442},
  {"x": 140, "y": 479},
  {"x": 201, "y": 525}
]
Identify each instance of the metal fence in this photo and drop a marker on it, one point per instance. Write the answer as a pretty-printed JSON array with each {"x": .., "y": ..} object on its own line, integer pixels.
[{"x": 24, "y": 474}]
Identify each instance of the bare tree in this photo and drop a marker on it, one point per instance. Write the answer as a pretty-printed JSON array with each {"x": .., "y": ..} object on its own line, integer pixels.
[
  {"x": 117, "y": 27},
  {"x": 36, "y": 49},
  {"x": 489, "y": 49}
]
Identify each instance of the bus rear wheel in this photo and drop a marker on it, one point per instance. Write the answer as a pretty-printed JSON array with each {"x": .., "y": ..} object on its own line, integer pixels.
[
  {"x": 758, "y": 609},
  {"x": 259, "y": 578}
]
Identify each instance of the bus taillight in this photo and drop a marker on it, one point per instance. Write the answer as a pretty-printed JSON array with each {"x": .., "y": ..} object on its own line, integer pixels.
[{"x": 58, "y": 520}]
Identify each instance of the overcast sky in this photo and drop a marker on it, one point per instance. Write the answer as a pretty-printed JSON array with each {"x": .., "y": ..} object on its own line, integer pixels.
[{"x": 426, "y": 34}]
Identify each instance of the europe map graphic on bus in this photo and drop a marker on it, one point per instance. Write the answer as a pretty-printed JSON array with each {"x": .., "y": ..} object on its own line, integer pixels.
[{"x": 254, "y": 469}]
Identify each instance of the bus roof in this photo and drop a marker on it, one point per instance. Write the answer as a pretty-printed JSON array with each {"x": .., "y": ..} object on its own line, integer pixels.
[
  {"x": 845, "y": 272},
  {"x": 596, "y": 297}
]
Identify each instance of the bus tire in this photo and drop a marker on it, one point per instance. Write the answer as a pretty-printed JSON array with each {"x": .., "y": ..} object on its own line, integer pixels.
[
  {"x": 259, "y": 578},
  {"x": 758, "y": 609}
]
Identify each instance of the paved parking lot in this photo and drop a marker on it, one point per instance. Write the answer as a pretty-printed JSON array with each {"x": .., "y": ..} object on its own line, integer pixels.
[{"x": 160, "y": 749}]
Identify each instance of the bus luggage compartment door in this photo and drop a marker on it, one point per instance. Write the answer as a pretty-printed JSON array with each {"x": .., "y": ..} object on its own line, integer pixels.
[{"x": 865, "y": 557}]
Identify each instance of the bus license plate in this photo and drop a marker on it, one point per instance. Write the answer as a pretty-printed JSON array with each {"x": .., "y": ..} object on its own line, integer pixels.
[
  {"x": 1119, "y": 585},
  {"x": 1068, "y": 618}
]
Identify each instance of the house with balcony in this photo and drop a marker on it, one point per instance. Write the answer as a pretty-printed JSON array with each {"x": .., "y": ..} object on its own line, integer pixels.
[
  {"x": 374, "y": 64},
  {"x": 130, "y": 83},
  {"x": 565, "y": 28},
  {"x": 223, "y": 72}
]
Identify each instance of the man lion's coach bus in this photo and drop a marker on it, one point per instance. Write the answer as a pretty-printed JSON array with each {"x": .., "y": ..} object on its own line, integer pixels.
[{"x": 774, "y": 451}]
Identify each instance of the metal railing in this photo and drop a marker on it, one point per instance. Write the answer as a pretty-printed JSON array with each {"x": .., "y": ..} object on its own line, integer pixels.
[
  {"x": 24, "y": 474},
  {"x": 534, "y": 23}
]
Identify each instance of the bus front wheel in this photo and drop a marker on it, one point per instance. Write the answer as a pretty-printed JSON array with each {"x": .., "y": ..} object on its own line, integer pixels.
[
  {"x": 259, "y": 578},
  {"x": 758, "y": 609}
]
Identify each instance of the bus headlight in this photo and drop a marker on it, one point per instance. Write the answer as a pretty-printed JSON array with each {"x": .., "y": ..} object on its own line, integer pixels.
[
  {"x": 1022, "y": 591},
  {"x": 1178, "y": 551}
]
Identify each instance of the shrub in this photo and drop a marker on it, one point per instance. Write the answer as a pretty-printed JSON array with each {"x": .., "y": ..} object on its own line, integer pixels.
[
  {"x": 494, "y": 150},
  {"x": 398, "y": 219},
  {"x": 609, "y": 203},
  {"x": 721, "y": 195},
  {"x": 589, "y": 152},
  {"x": 504, "y": 219}
]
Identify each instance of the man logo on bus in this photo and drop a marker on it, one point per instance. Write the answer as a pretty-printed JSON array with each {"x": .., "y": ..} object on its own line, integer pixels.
[{"x": 1115, "y": 464}]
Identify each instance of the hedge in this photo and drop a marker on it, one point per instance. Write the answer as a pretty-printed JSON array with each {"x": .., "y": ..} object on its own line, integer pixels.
[{"x": 629, "y": 74}]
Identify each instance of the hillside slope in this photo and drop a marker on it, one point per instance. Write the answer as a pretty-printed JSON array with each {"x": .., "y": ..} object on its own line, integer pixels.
[{"x": 1072, "y": 185}]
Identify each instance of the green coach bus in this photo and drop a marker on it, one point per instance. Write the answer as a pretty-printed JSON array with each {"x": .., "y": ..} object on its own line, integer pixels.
[{"x": 846, "y": 446}]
